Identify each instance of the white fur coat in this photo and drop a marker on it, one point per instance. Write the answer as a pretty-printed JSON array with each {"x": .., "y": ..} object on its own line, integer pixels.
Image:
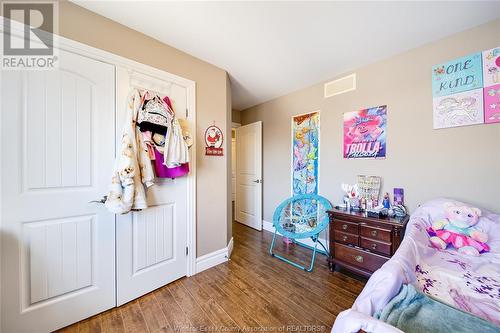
[{"x": 133, "y": 171}]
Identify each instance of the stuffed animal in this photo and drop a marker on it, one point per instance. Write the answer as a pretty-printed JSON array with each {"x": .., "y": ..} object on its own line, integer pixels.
[{"x": 458, "y": 230}]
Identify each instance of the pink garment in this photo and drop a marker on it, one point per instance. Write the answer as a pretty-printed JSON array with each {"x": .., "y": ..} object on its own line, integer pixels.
[
  {"x": 458, "y": 240},
  {"x": 162, "y": 171},
  {"x": 149, "y": 143}
]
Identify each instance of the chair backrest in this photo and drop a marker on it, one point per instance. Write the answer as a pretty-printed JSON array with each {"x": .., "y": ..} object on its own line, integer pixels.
[{"x": 302, "y": 216}]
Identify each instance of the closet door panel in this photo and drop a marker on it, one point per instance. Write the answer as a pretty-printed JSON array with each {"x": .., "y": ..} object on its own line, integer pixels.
[
  {"x": 58, "y": 250},
  {"x": 151, "y": 244}
]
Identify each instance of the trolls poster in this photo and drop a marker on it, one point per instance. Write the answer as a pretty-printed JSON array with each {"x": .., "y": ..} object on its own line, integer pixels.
[
  {"x": 365, "y": 133},
  {"x": 305, "y": 151}
]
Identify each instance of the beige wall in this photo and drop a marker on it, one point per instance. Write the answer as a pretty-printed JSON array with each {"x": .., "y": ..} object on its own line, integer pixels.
[
  {"x": 211, "y": 105},
  {"x": 462, "y": 163},
  {"x": 236, "y": 116}
]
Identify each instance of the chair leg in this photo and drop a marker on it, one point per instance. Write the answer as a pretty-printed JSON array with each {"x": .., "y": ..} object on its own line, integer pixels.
[
  {"x": 324, "y": 248},
  {"x": 311, "y": 266},
  {"x": 315, "y": 239},
  {"x": 272, "y": 244}
]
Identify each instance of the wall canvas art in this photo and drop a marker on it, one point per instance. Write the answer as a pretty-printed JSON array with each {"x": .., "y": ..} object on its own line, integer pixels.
[
  {"x": 458, "y": 75},
  {"x": 365, "y": 133},
  {"x": 462, "y": 109},
  {"x": 492, "y": 104},
  {"x": 491, "y": 67},
  {"x": 305, "y": 153}
]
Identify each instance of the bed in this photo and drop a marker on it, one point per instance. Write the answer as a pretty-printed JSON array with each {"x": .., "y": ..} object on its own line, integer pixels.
[{"x": 467, "y": 283}]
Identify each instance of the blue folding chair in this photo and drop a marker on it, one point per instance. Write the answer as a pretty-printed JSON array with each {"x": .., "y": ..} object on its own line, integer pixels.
[{"x": 301, "y": 216}]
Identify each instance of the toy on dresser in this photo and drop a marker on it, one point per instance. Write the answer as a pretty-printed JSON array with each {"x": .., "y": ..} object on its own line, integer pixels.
[{"x": 458, "y": 230}]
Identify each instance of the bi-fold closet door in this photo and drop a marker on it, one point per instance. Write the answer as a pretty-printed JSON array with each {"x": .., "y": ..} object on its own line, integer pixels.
[
  {"x": 58, "y": 250},
  {"x": 60, "y": 262},
  {"x": 151, "y": 244}
]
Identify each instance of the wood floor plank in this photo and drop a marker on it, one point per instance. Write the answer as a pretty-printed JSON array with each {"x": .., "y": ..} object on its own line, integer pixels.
[
  {"x": 112, "y": 322},
  {"x": 194, "y": 312},
  {"x": 253, "y": 291},
  {"x": 279, "y": 294},
  {"x": 152, "y": 313},
  {"x": 275, "y": 307},
  {"x": 338, "y": 300},
  {"x": 315, "y": 284},
  {"x": 299, "y": 292},
  {"x": 258, "y": 308},
  {"x": 133, "y": 320},
  {"x": 91, "y": 325},
  {"x": 235, "y": 309},
  {"x": 176, "y": 318},
  {"x": 216, "y": 313}
]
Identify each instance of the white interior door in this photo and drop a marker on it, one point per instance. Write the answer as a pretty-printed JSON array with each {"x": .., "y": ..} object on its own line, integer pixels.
[
  {"x": 151, "y": 244},
  {"x": 58, "y": 250},
  {"x": 248, "y": 205}
]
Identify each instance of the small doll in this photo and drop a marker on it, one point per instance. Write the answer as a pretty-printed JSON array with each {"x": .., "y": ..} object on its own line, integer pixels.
[{"x": 387, "y": 201}]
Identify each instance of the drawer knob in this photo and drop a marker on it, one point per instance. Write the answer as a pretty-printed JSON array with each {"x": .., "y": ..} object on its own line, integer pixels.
[
  {"x": 374, "y": 246},
  {"x": 358, "y": 258},
  {"x": 344, "y": 238},
  {"x": 374, "y": 232},
  {"x": 344, "y": 226}
]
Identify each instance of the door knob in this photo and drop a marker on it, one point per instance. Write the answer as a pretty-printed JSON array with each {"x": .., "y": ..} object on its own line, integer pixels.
[
  {"x": 257, "y": 181},
  {"x": 101, "y": 201}
]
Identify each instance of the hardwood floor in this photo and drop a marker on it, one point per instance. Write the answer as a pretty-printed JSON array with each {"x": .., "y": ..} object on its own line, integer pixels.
[{"x": 251, "y": 292}]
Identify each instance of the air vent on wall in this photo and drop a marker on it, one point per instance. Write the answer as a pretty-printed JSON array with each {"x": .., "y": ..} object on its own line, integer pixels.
[{"x": 340, "y": 86}]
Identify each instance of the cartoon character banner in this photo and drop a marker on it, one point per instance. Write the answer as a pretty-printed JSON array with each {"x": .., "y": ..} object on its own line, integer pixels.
[
  {"x": 461, "y": 109},
  {"x": 466, "y": 90},
  {"x": 458, "y": 75},
  {"x": 492, "y": 104},
  {"x": 491, "y": 67},
  {"x": 365, "y": 133},
  {"x": 305, "y": 147},
  {"x": 491, "y": 76}
]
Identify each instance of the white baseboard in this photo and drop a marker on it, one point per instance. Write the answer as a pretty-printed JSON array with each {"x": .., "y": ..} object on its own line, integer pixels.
[
  {"x": 268, "y": 226},
  {"x": 215, "y": 258}
]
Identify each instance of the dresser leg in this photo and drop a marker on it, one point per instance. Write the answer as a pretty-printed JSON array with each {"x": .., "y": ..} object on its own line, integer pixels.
[{"x": 331, "y": 265}]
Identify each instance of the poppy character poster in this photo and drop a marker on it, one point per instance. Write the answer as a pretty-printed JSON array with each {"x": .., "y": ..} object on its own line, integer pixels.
[{"x": 365, "y": 133}]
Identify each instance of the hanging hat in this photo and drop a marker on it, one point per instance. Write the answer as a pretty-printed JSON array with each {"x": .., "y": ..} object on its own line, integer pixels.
[{"x": 186, "y": 133}]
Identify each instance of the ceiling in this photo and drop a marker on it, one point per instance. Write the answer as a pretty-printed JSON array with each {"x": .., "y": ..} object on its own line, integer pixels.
[{"x": 273, "y": 48}]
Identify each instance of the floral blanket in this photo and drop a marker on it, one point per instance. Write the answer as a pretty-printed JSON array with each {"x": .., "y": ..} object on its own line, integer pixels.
[{"x": 468, "y": 283}]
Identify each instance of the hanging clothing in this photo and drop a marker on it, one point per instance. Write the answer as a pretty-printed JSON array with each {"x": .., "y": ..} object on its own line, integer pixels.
[
  {"x": 186, "y": 133},
  {"x": 162, "y": 171},
  {"x": 133, "y": 171},
  {"x": 176, "y": 151},
  {"x": 153, "y": 115}
]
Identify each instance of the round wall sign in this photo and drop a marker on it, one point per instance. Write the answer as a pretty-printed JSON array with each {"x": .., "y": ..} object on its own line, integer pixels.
[{"x": 214, "y": 137}]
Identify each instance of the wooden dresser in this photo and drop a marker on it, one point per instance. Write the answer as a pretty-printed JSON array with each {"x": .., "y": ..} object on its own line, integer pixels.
[{"x": 363, "y": 244}]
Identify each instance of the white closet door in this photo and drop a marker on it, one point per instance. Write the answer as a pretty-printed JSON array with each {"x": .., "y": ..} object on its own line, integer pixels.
[
  {"x": 151, "y": 244},
  {"x": 58, "y": 250}
]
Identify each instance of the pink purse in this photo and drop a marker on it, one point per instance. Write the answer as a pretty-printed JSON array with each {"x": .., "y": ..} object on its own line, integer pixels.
[{"x": 162, "y": 171}]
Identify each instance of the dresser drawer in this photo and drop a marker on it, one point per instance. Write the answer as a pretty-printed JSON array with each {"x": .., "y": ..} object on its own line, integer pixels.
[
  {"x": 383, "y": 235},
  {"x": 346, "y": 238},
  {"x": 359, "y": 258},
  {"x": 376, "y": 246},
  {"x": 349, "y": 227}
]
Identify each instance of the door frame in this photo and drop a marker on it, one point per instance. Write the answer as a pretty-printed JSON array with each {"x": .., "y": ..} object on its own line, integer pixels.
[
  {"x": 91, "y": 52},
  {"x": 234, "y": 126}
]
